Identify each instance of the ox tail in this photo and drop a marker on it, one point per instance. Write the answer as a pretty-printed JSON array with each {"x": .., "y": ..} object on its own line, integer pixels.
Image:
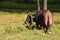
[
  {"x": 47, "y": 25},
  {"x": 49, "y": 22}
]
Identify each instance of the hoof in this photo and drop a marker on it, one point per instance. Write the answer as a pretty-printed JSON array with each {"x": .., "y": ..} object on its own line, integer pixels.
[{"x": 48, "y": 33}]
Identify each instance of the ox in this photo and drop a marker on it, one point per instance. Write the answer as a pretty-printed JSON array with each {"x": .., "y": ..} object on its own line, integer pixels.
[{"x": 44, "y": 18}]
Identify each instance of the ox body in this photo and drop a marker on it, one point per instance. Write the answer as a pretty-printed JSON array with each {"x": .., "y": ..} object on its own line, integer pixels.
[{"x": 43, "y": 18}]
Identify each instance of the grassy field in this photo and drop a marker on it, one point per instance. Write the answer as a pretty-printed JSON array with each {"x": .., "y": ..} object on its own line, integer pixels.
[{"x": 12, "y": 28}]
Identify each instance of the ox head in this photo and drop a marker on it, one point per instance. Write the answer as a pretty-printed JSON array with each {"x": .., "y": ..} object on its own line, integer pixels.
[{"x": 30, "y": 18}]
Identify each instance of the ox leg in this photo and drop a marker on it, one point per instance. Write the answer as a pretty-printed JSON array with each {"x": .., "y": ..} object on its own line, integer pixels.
[
  {"x": 47, "y": 29},
  {"x": 30, "y": 27},
  {"x": 37, "y": 25},
  {"x": 31, "y": 22}
]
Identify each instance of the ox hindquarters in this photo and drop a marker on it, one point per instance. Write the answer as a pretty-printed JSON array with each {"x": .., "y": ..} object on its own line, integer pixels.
[{"x": 48, "y": 19}]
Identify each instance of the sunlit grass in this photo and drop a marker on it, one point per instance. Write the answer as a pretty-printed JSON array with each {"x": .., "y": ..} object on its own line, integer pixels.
[{"x": 12, "y": 28}]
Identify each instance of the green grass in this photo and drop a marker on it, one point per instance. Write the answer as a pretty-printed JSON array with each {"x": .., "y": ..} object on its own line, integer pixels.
[{"x": 12, "y": 28}]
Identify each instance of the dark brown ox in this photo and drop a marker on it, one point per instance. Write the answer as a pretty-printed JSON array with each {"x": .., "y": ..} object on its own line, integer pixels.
[{"x": 44, "y": 18}]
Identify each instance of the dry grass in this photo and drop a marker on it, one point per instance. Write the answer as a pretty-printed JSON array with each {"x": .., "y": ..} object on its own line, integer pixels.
[{"x": 12, "y": 28}]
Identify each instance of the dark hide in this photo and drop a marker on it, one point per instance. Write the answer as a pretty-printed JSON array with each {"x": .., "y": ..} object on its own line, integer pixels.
[
  {"x": 44, "y": 18},
  {"x": 39, "y": 18}
]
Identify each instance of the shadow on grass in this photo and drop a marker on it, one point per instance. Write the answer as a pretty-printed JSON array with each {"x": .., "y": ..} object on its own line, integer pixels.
[{"x": 34, "y": 27}]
